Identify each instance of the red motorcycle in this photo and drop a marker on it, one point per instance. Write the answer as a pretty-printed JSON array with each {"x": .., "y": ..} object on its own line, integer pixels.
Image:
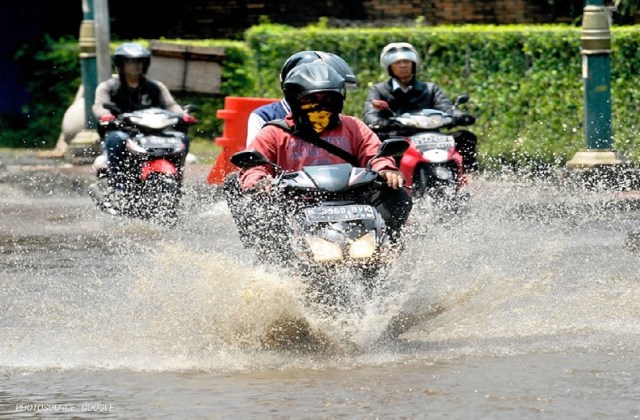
[
  {"x": 155, "y": 149},
  {"x": 432, "y": 166}
]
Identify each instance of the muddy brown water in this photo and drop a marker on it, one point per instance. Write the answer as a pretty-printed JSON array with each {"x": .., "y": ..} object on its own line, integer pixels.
[{"x": 525, "y": 306}]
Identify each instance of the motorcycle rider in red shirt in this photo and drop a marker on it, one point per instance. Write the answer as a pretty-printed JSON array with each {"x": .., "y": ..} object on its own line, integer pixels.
[{"x": 316, "y": 93}]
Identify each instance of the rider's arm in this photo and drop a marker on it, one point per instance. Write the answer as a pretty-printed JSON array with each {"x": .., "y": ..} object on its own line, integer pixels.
[
  {"x": 366, "y": 144},
  {"x": 102, "y": 96},
  {"x": 266, "y": 142},
  {"x": 372, "y": 116},
  {"x": 255, "y": 123},
  {"x": 440, "y": 99},
  {"x": 167, "y": 99}
]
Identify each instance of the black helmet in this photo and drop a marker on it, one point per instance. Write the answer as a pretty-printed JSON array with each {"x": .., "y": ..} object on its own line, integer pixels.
[
  {"x": 331, "y": 59},
  {"x": 310, "y": 78},
  {"x": 131, "y": 50},
  {"x": 341, "y": 67},
  {"x": 295, "y": 60}
]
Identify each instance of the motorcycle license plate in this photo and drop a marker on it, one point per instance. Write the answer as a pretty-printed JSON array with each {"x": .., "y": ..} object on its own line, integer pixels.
[
  {"x": 157, "y": 142},
  {"x": 433, "y": 141},
  {"x": 339, "y": 213}
]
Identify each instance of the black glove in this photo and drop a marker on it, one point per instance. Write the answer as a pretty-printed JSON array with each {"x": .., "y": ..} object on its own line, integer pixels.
[
  {"x": 382, "y": 124},
  {"x": 464, "y": 119}
]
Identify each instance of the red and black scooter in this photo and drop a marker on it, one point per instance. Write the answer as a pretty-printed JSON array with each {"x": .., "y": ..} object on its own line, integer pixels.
[
  {"x": 432, "y": 166},
  {"x": 156, "y": 154}
]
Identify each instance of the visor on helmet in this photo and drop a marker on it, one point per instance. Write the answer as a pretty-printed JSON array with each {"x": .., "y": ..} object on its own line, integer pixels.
[{"x": 399, "y": 51}]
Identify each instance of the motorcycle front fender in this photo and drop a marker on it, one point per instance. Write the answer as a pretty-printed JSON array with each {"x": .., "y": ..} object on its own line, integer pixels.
[
  {"x": 410, "y": 160},
  {"x": 162, "y": 166}
]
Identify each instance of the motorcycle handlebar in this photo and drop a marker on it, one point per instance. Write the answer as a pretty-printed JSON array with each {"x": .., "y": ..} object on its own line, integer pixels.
[{"x": 120, "y": 123}]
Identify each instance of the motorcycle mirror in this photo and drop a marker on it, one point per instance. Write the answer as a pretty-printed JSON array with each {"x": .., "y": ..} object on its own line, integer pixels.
[
  {"x": 112, "y": 107},
  {"x": 249, "y": 159},
  {"x": 462, "y": 99},
  {"x": 394, "y": 146},
  {"x": 191, "y": 108}
]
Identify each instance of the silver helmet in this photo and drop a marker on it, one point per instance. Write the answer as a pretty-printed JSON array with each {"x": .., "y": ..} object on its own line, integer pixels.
[{"x": 399, "y": 51}]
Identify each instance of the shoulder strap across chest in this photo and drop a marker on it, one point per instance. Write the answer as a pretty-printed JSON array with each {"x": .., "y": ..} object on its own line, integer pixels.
[{"x": 319, "y": 142}]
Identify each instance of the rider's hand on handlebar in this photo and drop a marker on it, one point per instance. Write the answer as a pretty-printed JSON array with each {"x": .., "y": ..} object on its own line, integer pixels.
[
  {"x": 105, "y": 119},
  {"x": 263, "y": 184},
  {"x": 188, "y": 119},
  {"x": 465, "y": 119},
  {"x": 379, "y": 104},
  {"x": 394, "y": 179}
]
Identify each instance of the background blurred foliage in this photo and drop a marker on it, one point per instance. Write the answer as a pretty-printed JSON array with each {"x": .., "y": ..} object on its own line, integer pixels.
[
  {"x": 54, "y": 73},
  {"x": 53, "y": 69},
  {"x": 524, "y": 81}
]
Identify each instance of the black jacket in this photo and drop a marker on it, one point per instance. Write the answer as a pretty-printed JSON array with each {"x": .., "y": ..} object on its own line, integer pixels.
[
  {"x": 422, "y": 95},
  {"x": 147, "y": 95}
]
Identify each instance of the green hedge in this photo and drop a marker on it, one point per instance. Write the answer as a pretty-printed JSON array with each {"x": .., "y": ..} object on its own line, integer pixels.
[
  {"x": 55, "y": 75},
  {"x": 525, "y": 82},
  {"x": 53, "y": 69}
]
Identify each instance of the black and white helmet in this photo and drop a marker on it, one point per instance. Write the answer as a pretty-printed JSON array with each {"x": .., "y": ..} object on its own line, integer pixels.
[
  {"x": 399, "y": 51},
  {"x": 341, "y": 67},
  {"x": 315, "y": 77},
  {"x": 311, "y": 78},
  {"x": 334, "y": 60},
  {"x": 131, "y": 50}
]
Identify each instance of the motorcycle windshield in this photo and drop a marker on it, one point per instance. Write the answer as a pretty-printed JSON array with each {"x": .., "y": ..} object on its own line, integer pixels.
[
  {"x": 329, "y": 177},
  {"x": 428, "y": 112},
  {"x": 336, "y": 178},
  {"x": 428, "y": 119},
  {"x": 153, "y": 118}
]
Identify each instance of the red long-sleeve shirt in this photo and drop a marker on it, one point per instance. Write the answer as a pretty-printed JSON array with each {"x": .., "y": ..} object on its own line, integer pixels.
[{"x": 292, "y": 153}]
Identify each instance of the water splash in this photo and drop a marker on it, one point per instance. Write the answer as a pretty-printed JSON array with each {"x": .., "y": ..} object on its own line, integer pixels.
[{"x": 526, "y": 268}]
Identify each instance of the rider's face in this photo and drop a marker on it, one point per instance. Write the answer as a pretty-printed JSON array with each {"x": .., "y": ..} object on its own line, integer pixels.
[
  {"x": 133, "y": 67},
  {"x": 402, "y": 70},
  {"x": 319, "y": 109}
]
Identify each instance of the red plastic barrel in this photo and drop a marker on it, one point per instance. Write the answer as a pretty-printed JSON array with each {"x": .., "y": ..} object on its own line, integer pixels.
[{"x": 234, "y": 134}]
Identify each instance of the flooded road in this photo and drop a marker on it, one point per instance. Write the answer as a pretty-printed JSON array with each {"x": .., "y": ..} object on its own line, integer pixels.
[{"x": 526, "y": 306}]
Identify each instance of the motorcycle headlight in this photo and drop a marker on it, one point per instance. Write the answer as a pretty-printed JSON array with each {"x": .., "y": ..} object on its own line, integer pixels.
[
  {"x": 363, "y": 247},
  {"x": 324, "y": 250}
]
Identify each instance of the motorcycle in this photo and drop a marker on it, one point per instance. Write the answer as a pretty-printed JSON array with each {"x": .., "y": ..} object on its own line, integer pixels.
[
  {"x": 432, "y": 166},
  {"x": 328, "y": 223},
  {"x": 152, "y": 190}
]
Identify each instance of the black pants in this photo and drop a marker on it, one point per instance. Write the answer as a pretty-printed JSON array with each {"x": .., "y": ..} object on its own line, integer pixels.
[
  {"x": 394, "y": 207},
  {"x": 466, "y": 144}
]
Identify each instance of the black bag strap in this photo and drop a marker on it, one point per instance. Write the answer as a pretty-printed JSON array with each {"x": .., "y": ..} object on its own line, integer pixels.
[
  {"x": 320, "y": 142},
  {"x": 280, "y": 123}
]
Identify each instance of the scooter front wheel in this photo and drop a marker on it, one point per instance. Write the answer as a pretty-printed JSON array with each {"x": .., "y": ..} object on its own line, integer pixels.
[
  {"x": 162, "y": 196},
  {"x": 435, "y": 181}
]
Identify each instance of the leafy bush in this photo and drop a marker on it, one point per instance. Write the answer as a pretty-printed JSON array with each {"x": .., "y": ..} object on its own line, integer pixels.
[
  {"x": 524, "y": 81},
  {"x": 54, "y": 76}
]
